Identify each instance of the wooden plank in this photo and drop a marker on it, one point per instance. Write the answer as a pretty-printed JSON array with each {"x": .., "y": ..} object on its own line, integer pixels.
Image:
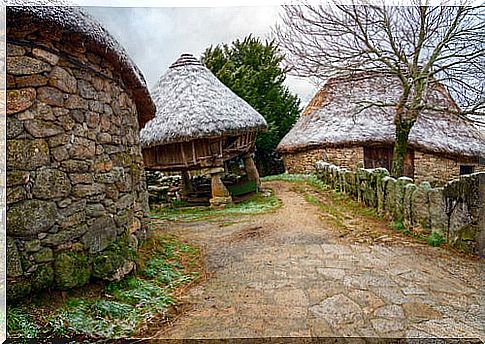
[
  {"x": 409, "y": 164},
  {"x": 184, "y": 159},
  {"x": 193, "y": 153}
]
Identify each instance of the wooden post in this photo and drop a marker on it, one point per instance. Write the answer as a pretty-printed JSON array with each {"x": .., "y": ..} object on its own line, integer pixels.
[
  {"x": 251, "y": 170},
  {"x": 220, "y": 194},
  {"x": 186, "y": 184}
]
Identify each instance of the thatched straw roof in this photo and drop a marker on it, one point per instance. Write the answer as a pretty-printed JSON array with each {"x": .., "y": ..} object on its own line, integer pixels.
[
  {"x": 71, "y": 21},
  {"x": 332, "y": 119},
  {"x": 479, "y": 121},
  {"x": 192, "y": 103}
]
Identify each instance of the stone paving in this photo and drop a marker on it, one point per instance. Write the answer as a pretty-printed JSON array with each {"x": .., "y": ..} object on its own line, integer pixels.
[{"x": 285, "y": 274}]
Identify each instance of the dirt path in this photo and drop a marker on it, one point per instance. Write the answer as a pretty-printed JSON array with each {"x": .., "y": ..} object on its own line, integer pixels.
[{"x": 287, "y": 274}]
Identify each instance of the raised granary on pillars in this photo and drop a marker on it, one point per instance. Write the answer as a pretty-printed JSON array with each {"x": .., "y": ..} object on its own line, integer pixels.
[
  {"x": 347, "y": 123},
  {"x": 199, "y": 124},
  {"x": 76, "y": 194}
]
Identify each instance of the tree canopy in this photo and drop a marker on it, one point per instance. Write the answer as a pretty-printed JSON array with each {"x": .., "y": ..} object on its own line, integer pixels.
[
  {"x": 252, "y": 69},
  {"x": 423, "y": 46}
]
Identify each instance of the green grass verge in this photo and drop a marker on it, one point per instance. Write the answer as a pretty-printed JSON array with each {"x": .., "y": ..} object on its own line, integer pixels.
[
  {"x": 310, "y": 179},
  {"x": 164, "y": 264},
  {"x": 344, "y": 204},
  {"x": 258, "y": 204}
]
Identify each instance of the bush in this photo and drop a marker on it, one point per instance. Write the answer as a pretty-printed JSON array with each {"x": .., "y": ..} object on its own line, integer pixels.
[{"x": 435, "y": 239}]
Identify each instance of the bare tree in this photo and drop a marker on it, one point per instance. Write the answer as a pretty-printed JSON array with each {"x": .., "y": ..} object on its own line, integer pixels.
[{"x": 420, "y": 45}]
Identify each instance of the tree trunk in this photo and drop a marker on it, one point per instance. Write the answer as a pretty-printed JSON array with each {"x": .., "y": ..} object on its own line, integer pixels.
[{"x": 403, "y": 127}]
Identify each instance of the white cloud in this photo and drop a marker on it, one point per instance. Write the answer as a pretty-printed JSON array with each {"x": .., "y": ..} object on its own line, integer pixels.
[{"x": 155, "y": 37}]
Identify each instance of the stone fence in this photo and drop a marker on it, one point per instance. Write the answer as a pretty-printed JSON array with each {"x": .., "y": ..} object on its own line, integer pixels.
[{"x": 455, "y": 211}]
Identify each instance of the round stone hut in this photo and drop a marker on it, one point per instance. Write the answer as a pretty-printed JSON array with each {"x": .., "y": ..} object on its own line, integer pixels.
[
  {"x": 199, "y": 124},
  {"x": 76, "y": 194},
  {"x": 340, "y": 126}
]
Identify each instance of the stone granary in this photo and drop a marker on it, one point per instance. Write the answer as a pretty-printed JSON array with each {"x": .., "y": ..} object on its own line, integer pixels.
[
  {"x": 76, "y": 193},
  {"x": 199, "y": 124},
  {"x": 339, "y": 127}
]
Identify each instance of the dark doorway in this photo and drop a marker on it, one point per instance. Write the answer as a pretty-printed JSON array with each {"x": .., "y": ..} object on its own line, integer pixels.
[{"x": 381, "y": 156}]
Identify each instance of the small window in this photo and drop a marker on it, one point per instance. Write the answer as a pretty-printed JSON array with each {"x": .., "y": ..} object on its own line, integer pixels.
[{"x": 466, "y": 169}]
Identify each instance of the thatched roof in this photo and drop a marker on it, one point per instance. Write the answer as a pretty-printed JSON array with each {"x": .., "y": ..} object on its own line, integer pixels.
[
  {"x": 479, "y": 121},
  {"x": 332, "y": 119},
  {"x": 72, "y": 21},
  {"x": 192, "y": 103}
]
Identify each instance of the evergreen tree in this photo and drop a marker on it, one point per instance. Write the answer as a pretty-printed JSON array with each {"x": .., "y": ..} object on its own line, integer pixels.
[{"x": 251, "y": 69}]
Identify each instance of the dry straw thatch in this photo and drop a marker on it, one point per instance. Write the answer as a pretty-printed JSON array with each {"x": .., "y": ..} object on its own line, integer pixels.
[
  {"x": 76, "y": 25},
  {"x": 339, "y": 115},
  {"x": 192, "y": 104}
]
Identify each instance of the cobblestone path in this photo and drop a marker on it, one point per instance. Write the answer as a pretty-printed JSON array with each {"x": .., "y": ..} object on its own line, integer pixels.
[{"x": 285, "y": 274}]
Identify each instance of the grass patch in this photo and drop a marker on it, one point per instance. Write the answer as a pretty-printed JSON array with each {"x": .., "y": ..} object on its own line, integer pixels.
[
  {"x": 398, "y": 226},
  {"x": 312, "y": 199},
  {"x": 435, "y": 239},
  {"x": 258, "y": 204},
  {"x": 119, "y": 309},
  {"x": 20, "y": 323},
  {"x": 310, "y": 179}
]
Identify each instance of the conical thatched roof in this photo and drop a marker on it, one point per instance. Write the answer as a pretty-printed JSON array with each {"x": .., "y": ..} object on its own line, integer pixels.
[
  {"x": 332, "y": 119},
  {"x": 62, "y": 17},
  {"x": 192, "y": 103}
]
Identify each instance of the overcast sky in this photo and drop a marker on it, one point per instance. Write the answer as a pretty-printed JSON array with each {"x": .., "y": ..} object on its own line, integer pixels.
[{"x": 156, "y": 36}]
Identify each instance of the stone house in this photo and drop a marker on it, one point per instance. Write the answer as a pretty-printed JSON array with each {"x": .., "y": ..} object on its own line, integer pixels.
[
  {"x": 76, "y": 194},
  {"x": 347, "y": 124}
]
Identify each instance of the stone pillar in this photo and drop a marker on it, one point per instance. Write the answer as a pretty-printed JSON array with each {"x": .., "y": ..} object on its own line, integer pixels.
[
  {"x": 186, "y": 186},
  {"x": 251, "y": 170},
  {"x": 220, "y": 194}
]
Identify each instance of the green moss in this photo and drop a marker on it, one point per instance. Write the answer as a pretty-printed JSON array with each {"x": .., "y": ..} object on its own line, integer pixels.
[
  {"x": 122, "y": 159},
  {"x": 71, "y": 269},
  {"x": 43, "y": 277},
  {"x": 136, "y": 172},
  {"x": 18, "y": 289},
  {"x": 27, "y": 154},
  {"x": 109, "y": 261},
  {"x": 468, "y": 233}
]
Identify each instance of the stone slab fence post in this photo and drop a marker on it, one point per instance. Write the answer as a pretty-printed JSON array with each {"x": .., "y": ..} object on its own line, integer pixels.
[{"x": 455, "y": 211}]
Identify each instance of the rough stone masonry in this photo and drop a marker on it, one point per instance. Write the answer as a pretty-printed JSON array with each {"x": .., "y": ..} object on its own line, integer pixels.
[
  {"x": 454, "y": 211},
  {"x": 76, "y": 193}
]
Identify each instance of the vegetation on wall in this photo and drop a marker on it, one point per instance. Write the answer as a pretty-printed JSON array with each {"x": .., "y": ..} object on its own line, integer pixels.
[{"x": 118, "y": 309}]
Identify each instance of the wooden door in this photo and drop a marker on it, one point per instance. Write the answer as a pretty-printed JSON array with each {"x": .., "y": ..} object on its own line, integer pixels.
[{"x": 381, "y": 156}]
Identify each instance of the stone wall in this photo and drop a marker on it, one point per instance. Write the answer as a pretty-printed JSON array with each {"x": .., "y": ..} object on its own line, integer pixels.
[
  {"x": 76, "y": 192},
  {"x": 438, "y": 170},
  {"x": 454, "y": 211},
  {"x": 304, "y": 162},
  {"x": 432, "y": 168}
]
